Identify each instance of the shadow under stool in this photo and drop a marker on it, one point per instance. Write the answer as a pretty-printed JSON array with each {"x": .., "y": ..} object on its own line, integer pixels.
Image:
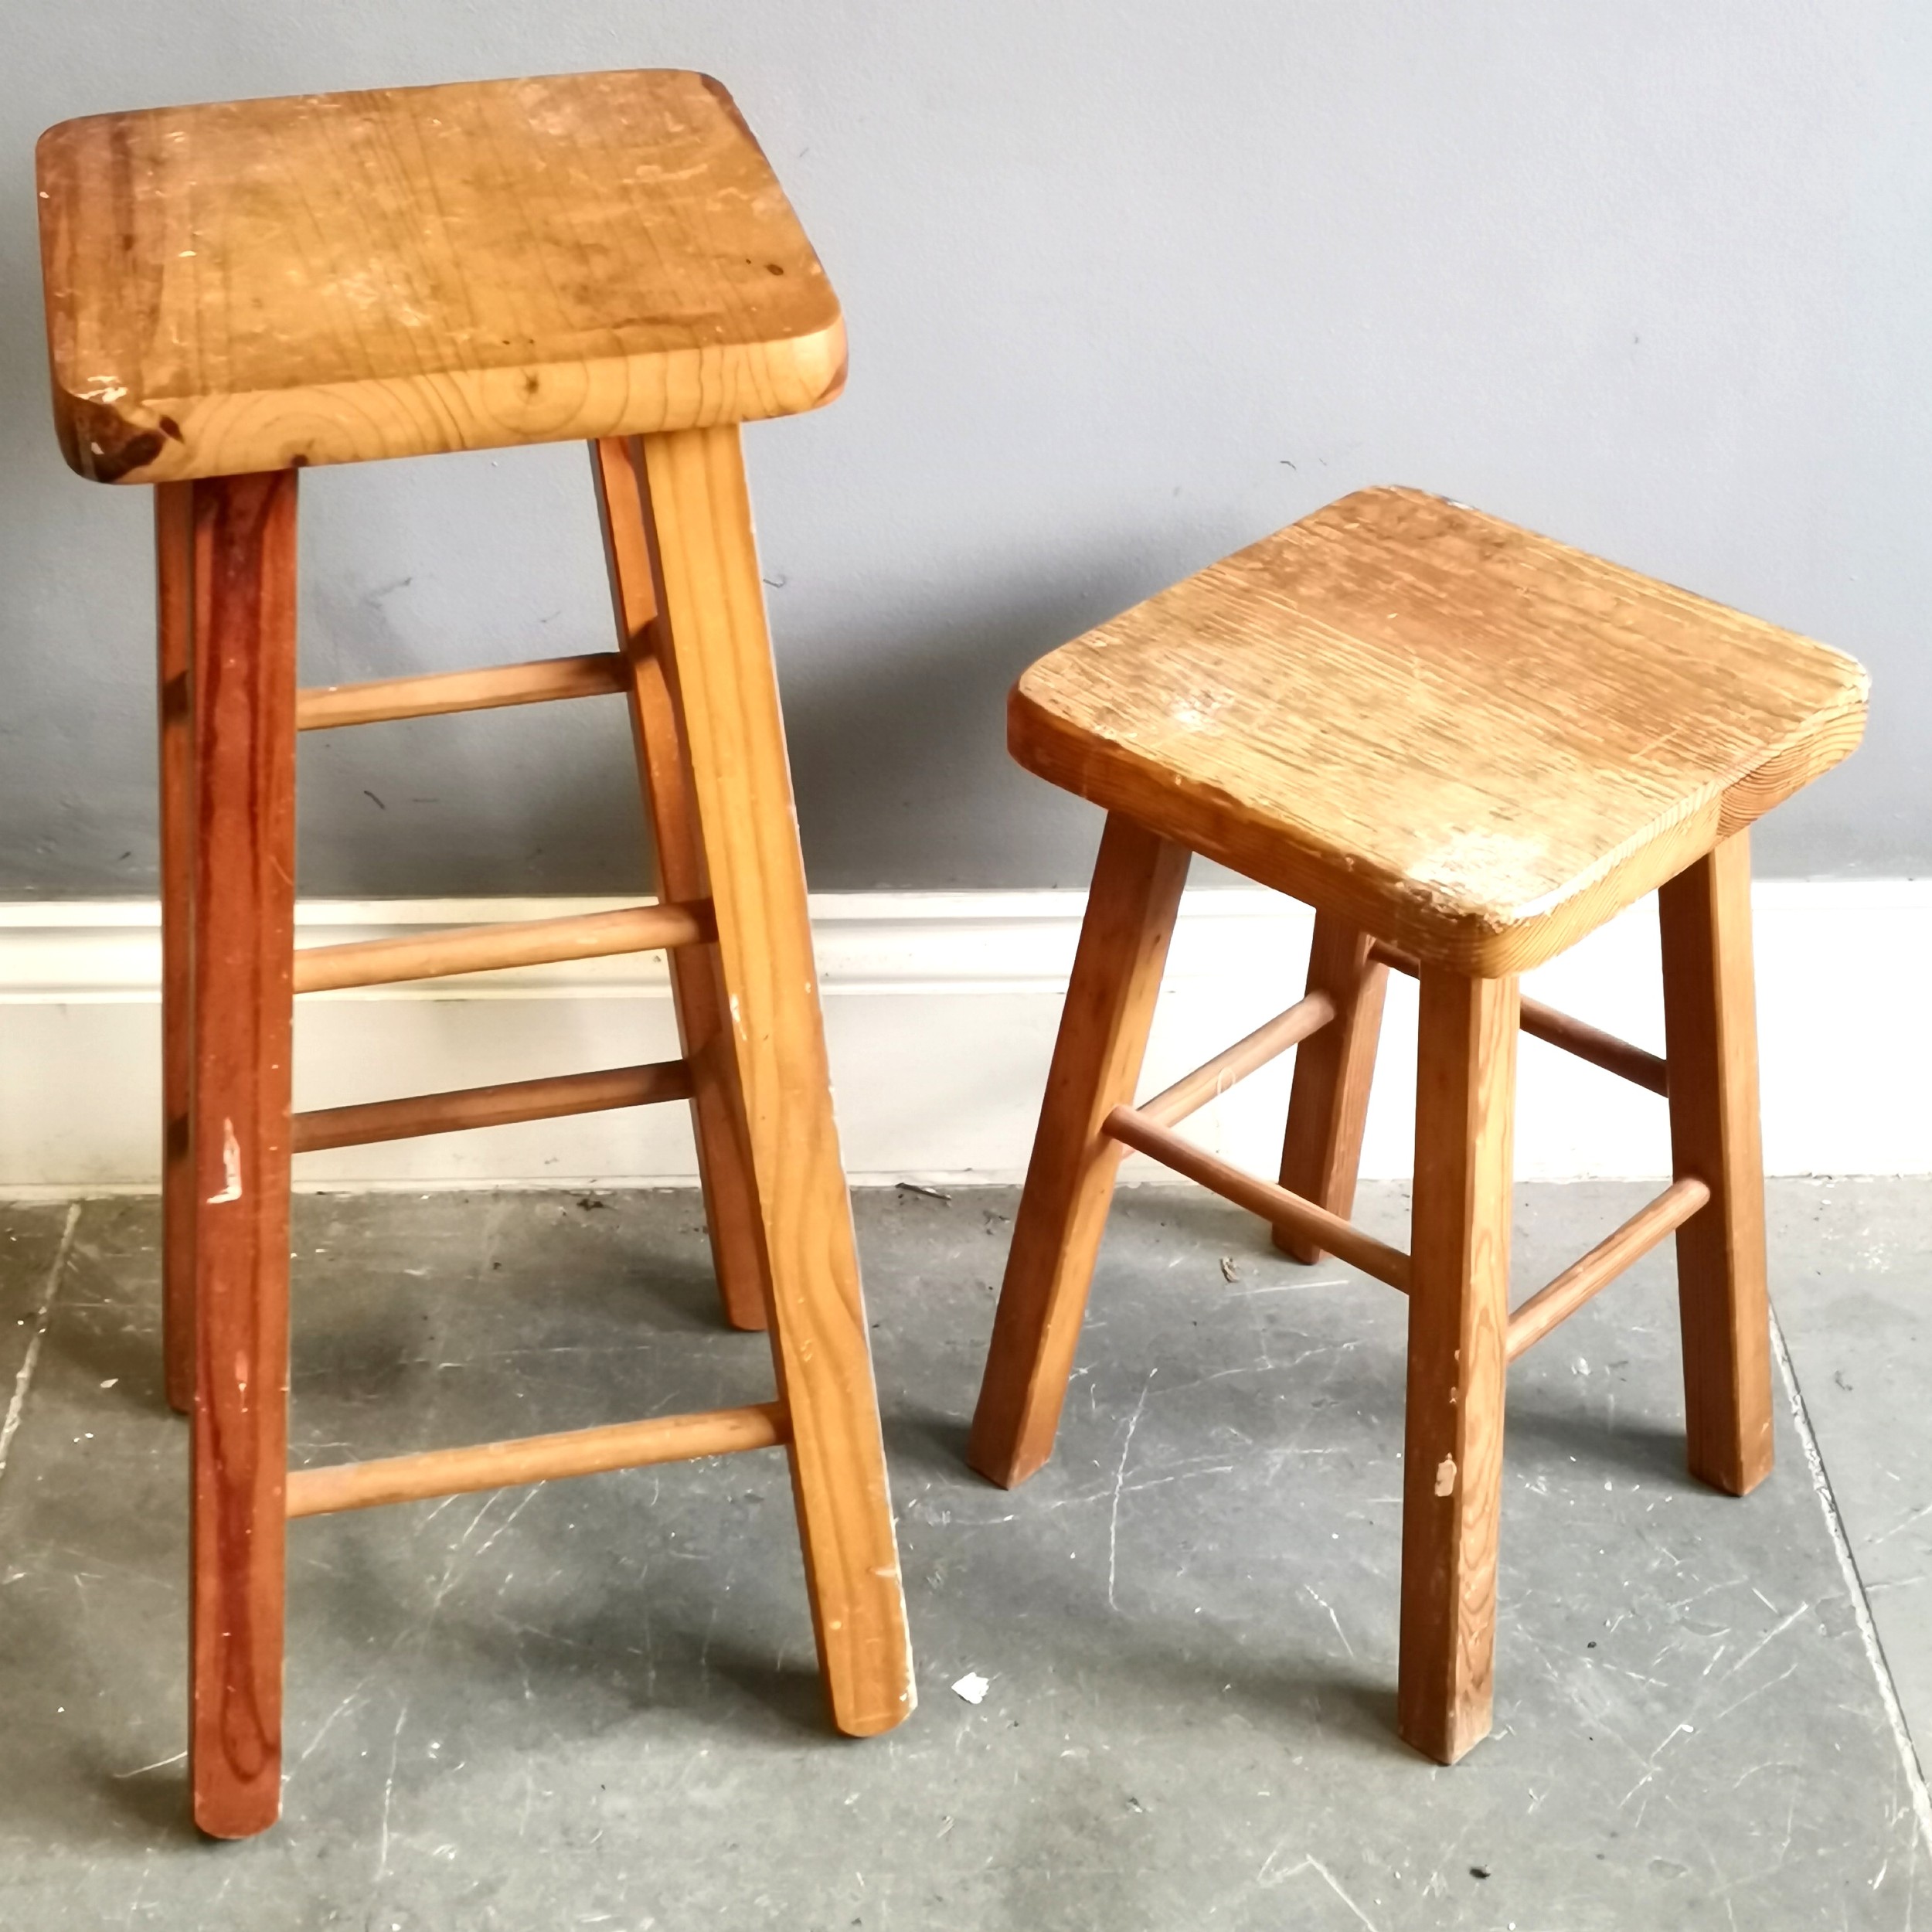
[
  {"x": 1466, "y": 747},
  {"x": 235, "y": 291}
]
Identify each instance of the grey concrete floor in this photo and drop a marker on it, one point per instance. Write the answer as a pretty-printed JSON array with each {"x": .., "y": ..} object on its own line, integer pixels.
[{"x": 593, "y": 1703}]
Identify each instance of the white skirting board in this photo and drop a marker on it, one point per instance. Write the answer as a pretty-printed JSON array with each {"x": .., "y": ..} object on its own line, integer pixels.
[{"x": 940, "y": 1009}]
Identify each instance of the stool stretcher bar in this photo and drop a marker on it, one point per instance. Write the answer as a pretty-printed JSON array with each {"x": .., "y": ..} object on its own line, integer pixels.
[
  {"x": 1148, "y": 1128},
  {"x": 598, "y": 674},
  {"x": 1277, "y": 1205},
  {"x": 1601, "y": 1266},
  {"x": 504, "y": 1465},
  {"x": 1633, "y": 1063},
  {"x": 1265, "y": 1043},
  {"x": 480, "y": 949},
  {"x": 464, "y": 1107}
]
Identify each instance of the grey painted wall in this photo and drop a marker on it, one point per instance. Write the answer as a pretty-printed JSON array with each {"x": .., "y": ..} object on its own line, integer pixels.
[{"x": 1129, "y": 284}]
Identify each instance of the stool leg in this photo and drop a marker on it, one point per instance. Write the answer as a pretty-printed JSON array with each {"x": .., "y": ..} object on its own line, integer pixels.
[
  {"x": 1458, "y": 1317},
  {"x": 243, "y": 680},
  {"x": 697, "y": 992},
  {"x": 712, "y": 641},
  {"x": 174, "y": 610},
  {"x": 1328, "y": 1104},
  {"x": 1710, "y": 1032},
  {"x": 1096, "y": 1060}
]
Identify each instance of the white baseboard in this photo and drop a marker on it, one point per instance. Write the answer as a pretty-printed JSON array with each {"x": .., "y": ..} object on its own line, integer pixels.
[{"x": 941, "y": 1009}]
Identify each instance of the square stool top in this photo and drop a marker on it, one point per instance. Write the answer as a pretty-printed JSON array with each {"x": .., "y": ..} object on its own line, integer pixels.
[
  {"x": 332, "y": 278},
  {"x": 1470, "y": 741}
]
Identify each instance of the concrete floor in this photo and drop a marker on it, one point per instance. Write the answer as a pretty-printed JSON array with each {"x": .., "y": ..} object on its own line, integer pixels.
[{"x": 594, "y": 1704}]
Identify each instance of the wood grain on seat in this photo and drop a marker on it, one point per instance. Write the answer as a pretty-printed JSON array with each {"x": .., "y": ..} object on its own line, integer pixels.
[
  {"x": 1464, "y": 738},
  {"x": 332, "y": 278}
]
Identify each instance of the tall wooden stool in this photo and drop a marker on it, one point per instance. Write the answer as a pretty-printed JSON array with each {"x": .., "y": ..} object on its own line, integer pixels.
[
  {"x": 235, "y": 291},
  {"x": 1466, "y": 747}
]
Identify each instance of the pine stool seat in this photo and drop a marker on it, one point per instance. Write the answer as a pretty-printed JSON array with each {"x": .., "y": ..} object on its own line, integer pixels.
[
  {"x": 235, "y": 291},
  {"x": 1466, "y": 747},
  {"x": 337, "y": 278}
]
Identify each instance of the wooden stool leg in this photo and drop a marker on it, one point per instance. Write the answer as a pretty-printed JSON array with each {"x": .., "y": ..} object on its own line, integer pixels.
[
  {"x": 712, "y": 644},
  {"x": 1097, "y": 1059},
  {"x": 243, "y": 679},
  {"x": 174, "y": 602},
  {"x": 697, "y": 991},
  {"x": 1710, "y": 1032},
  {"x": 1328, "y": 1104},
  {"x": 1458, "y": 1317}
]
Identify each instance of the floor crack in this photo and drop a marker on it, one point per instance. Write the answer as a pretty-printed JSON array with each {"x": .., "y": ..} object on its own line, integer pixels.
[
  {"x": 22, "y": 1381},
  {"x": 1855, "y": 1589}
]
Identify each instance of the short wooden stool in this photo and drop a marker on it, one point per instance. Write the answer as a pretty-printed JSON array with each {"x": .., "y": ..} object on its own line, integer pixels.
[
  {"x": 1466, "y": 747},
  {"x": 235, "y": 291}
]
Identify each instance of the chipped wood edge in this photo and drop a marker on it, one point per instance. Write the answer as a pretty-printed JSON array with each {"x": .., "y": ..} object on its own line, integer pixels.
[{"x": 170, "y": 439}]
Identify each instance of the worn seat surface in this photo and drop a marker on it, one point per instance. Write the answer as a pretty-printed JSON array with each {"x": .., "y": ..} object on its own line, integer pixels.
[
  {"x": 1470, "y": 740},
  {"x": 330, "y": 278}
]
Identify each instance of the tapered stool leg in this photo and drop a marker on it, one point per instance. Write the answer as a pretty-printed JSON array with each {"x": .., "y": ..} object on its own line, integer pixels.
[
  {"x": 712, "y": 640},
  {"x": 174, "y": 611},
  {"x": 697, "y": 992},
  {"x": 243, "y": 680},
  {"x": 1710, "y": 1033},
  {"x": 1130, "y": 908},
  {"x": 1328, "y": 1104},
  {"x": 1458, "y": 1320}
]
